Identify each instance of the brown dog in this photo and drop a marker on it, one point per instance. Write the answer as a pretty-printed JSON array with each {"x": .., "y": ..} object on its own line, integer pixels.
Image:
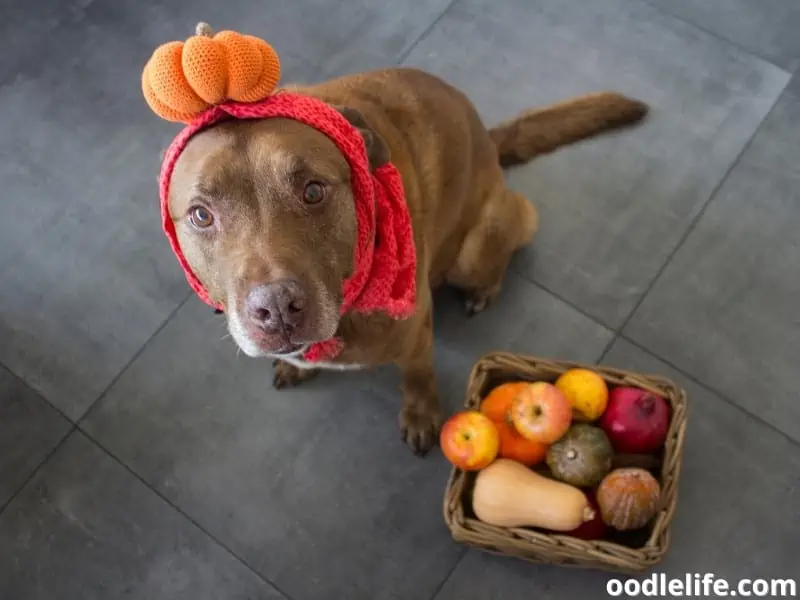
[{"x": 268, "y": 253}]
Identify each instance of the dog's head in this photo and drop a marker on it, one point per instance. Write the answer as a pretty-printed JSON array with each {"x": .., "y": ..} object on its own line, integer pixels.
[{"x": 264, "y": 214}]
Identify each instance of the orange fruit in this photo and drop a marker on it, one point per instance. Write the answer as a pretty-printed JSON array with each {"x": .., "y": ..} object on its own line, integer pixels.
[
  {"x": 515, "y": 447},
  {"x": 497, "y": 404},
  {"x": 586, "y": 391}
]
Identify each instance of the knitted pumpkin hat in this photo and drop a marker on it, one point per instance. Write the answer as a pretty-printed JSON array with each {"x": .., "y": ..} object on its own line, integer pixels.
[{"x": 211, "y": 78}]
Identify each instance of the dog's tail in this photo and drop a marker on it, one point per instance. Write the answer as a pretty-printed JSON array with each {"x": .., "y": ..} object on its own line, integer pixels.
[{"x": 543, "y": 130}]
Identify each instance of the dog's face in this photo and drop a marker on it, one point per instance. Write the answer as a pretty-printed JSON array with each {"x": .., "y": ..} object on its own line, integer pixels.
[{"x": 264, "y": 214}]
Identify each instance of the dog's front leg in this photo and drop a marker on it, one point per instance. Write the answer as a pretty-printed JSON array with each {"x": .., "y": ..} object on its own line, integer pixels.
[
  {"x": 288, "y": 375},
  {"x": 421, "y": 416}
]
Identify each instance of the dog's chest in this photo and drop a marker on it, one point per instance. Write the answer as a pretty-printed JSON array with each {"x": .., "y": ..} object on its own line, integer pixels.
[{"x": 329, "y": 366}]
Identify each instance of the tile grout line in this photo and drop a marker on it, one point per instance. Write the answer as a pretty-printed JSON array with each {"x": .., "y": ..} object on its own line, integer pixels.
[
  {"x": 437, "y": 590},
  {"x": 74, "y": 424},
  {"x": 405, "y": 53},
  {"x": 692, "y": 225},
  {"x": 717, "y": 36},
  {"x": 722, "y": 396},
  {"x": 183, "y": 514},
  {"x": 561, "y": 298},
  {"x": 33, "y": 390},
  {"x": 133, "y": 359},
  {"x": 73, "y": 427}
]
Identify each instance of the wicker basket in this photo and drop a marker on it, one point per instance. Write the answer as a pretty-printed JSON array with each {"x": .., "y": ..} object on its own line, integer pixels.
[{"x": 625, "y": 554}]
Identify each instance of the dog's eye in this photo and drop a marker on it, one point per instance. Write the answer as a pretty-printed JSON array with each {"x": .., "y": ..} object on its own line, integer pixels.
[
  {"x": 314, "y": 193},
  {"x": 201, "y": 217}
]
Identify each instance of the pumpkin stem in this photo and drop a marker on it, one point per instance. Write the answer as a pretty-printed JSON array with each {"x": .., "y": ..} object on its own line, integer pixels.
[
  {"x": 588, "y": 514},
  {"x": 204, "y": 29}
]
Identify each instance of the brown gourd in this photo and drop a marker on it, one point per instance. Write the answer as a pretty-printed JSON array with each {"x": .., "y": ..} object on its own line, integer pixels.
[
  {"x": 628, "y": 498},
  {"x": 508, "y": 494}
]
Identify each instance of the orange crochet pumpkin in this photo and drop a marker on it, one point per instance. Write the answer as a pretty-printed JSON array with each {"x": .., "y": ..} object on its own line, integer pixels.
[{"x": 182, "y": 79}]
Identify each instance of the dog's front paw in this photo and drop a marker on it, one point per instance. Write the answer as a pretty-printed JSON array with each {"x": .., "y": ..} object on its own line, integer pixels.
[
  {"x": 287, "y": 375},
  {"x": 420, "y": 428},
  {"x": 479, "y": 300}
]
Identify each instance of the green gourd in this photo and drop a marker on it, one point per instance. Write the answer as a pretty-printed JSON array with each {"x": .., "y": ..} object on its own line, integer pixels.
[{"x": 582, "y": 457}]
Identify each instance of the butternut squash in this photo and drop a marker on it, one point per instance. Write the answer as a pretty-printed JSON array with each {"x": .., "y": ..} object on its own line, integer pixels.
[{"x": 508, "y": 494}]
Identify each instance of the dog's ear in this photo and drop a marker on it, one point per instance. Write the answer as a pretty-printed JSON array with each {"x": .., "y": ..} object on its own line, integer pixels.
[{"x": 377, "y": 148}]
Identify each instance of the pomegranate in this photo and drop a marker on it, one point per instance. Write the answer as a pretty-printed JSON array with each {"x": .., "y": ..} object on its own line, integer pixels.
[{"x": 635, "y": 420}]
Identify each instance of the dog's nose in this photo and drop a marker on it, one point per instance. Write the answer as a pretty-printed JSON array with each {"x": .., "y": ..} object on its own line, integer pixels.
[{"x": 277, "y": 306}]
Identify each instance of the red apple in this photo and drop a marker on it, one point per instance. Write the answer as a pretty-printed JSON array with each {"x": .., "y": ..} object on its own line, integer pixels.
[
  {"x": 595, "y": 529},
  {"x": 635, "y": 420},
  {"x": 541, "y": 413},
  {"x": 469, "y": 440}
]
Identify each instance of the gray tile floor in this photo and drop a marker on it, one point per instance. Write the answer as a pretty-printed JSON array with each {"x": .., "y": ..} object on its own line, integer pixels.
[{"x": 141, "y": 458}]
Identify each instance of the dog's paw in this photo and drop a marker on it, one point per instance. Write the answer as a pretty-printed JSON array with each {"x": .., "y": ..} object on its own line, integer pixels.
[
  {"x": 479, "y": 300},
  {"x": 287, "y": 375},
  {"x": 420, "y": 428}
]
